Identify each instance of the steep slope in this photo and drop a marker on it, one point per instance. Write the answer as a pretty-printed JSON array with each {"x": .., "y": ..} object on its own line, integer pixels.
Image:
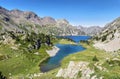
[
  {"x": 6, "y": 23},
  {"x": 24, "y": 17},
  {"x": 48, "y": 20},
  {"x": 109, "y": 39}
]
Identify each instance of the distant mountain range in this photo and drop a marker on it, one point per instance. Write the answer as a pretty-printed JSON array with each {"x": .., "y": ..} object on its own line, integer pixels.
[
  {"x": 27, "y": 21},
  {"x": 92, "y": 30}
]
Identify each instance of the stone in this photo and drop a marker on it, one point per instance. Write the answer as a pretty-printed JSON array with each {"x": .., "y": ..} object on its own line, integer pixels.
[
  {"x": 60, "y": 72},
  {"x": 74, "y": 68}
]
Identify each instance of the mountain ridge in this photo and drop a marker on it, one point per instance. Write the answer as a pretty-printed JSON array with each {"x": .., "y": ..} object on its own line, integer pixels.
[{"x": 18, "y": 20}]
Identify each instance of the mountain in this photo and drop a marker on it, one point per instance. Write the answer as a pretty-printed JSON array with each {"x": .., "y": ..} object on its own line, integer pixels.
[
  {"x": 62, "y": 22},
  {"x": 48, "y": 20},
  {"x": 24, "y": 17},
  {"x": 92, "y": 30},
  {"x": 27, "y": 21},
  {"x": 109, "y": 38}
]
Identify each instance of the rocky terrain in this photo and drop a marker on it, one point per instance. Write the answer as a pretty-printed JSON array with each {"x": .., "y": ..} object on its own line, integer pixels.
[
  {"x": 23, "y": 40},
  {"x": 76, "y": 70},
  {"x": 92, "y": 30},
  {"x": 109, "y": 39},
  {"x": 53, "y": 52}
]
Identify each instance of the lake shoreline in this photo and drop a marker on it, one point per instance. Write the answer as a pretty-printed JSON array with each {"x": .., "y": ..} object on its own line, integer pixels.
[
  {"x": 62, "y": 46},
  {"x": 53, "y": 52}
]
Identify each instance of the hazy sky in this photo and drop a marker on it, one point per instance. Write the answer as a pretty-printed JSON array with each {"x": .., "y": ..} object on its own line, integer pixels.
[{"x": 77, "y": 12}]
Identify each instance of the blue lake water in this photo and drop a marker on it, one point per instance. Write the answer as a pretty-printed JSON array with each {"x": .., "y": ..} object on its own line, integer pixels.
[
  {"x": 65, "y": 49},
  {"x": 78, "y": 38}
]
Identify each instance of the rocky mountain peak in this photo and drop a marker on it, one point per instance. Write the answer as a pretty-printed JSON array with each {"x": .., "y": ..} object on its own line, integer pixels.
[
  {"x": 48, "y": 20},
  {"x": 16, "y": 10},
  {"x": 29, "y": 15},
  {"x": 113, "y": 25},
  {"x": 23, "y": 17},
  {"x": 48, "y": 17},
  {"x": 62, "y": 21},
  {"x": 25, "y": 14},
  {"x": 29, "y": 21},
  {"x": 3, "y": 10}
]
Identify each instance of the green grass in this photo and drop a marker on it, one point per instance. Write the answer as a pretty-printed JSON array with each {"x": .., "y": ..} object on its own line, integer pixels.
[
  {"x": 88, "y": 55},
  {"x": 85, "y": 55},
  {"x": 0, "y": 27},
  {"x": 50, "y": 75},
  {"x": 65, "y": 41},
  {"x": 28, "y": 63},
  {"x": 21, "y": 62}
]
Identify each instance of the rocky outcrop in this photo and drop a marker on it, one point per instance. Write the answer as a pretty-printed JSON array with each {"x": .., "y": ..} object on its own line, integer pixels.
[
  {"x": 76, "y": 70},
  {"x": 111, "y": 46},
  {"x": 53, "y": 52},
  {"x": 31, "y": 76},
  {"x": 109, "y": 38}
]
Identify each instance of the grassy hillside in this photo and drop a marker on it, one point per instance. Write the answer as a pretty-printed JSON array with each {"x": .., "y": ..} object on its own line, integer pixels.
[
  {"x": 88, "y": 55},
  {"x": 26, "y": 56},
  {"x": 18, "y": 63},
  {"x": 93, "y": 56}
]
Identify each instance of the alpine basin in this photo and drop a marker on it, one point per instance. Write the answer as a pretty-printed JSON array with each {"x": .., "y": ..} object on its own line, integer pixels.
[{"x": 65, "y": 49}]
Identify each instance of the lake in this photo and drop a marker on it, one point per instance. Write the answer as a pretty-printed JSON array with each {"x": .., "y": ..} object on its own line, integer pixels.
[{"x": 65, "y": 49}]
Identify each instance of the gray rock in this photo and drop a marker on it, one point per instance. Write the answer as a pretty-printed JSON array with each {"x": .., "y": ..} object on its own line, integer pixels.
[{"x": 74, "y": 68}]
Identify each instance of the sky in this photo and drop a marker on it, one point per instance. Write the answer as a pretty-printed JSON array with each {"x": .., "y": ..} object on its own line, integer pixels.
[{"x": 77, "y": 12}]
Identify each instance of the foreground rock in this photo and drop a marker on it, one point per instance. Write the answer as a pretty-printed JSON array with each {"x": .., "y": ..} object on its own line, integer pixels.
[{"x": 76, "y": 70}]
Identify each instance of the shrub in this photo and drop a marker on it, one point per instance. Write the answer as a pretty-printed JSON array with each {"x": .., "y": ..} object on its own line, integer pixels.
[
  {"x": 104, "y": 38},
  {"x": 2, "y": 76},
  {"x": 95, "y": 58},
  {"x": 79, "y": 74}
]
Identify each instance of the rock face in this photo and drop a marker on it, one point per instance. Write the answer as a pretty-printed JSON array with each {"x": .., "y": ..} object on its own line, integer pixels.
[
  {"x": 62, "y": 22},
  {"x": 48, "y": 20},
  {"x": 92, "y": 30},
  {"x": 76, "y": 70},
  {"x": 20, "y": 17},
  {"x": 109, "y": 38}
]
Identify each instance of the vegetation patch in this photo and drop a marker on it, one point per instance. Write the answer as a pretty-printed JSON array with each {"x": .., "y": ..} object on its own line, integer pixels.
[
  {"x": 26, "y": 60},
  {"x": 94, "y": 56}
]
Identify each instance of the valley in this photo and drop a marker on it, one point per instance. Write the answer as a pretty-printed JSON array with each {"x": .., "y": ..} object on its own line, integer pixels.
[{"x": 34, "y": 47}]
